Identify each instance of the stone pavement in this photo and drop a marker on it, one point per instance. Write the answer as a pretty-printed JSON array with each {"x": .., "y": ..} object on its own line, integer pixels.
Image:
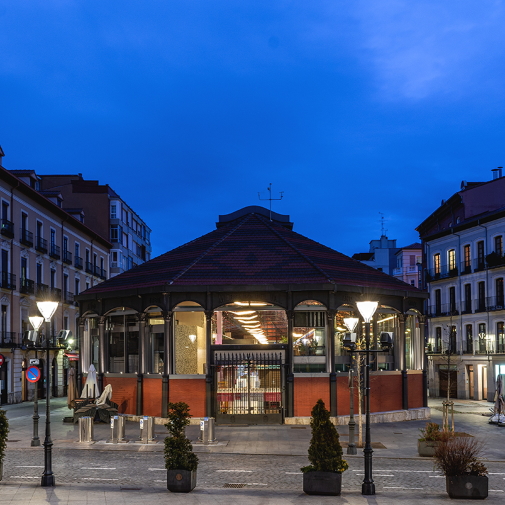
[{"x": 250, "y": 465}]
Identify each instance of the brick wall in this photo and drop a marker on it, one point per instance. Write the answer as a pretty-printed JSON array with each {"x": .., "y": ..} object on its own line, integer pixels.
[
  {"x": 124, "y": 393},
  {"x": 307, "y": 390},
  {"x": 151, "y": 396},
  {"x": 191, "y": 391},
  {"x": 415, "y": 385}
]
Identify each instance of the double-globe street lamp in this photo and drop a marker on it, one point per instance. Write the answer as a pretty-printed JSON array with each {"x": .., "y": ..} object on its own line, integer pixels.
[
  {"x": 367, "y": 310},
  {"x": 36, "y": 322},
  {"x": 47, "y": 309}
]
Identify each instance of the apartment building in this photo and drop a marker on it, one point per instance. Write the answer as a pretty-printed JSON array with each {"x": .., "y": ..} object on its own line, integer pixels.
[
  {"x": 45, "y": 253},
  {"x": 107, "y": 214},
  {"x": 408, "y": 264},
  {"x": 381, "y": 255},
  {"x": 464, "y": 268}
]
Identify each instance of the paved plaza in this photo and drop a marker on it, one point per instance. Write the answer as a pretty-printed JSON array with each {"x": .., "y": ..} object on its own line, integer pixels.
[{"x": 249, "y": 464}]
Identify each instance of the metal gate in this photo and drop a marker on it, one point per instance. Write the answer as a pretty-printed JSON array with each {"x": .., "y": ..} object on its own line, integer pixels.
[{"x": 249, "y": 387}]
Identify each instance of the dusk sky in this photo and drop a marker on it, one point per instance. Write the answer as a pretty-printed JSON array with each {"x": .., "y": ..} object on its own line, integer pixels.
[{"x": 189, "y": 108}]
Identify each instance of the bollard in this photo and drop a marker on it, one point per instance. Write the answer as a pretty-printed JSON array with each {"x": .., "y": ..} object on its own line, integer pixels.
[
  {"x": 86, "y": 429},
  {"x": 146, "y": 429},
  {"x": 207, "y": 430},
  {"x": 117, "y": 429}
]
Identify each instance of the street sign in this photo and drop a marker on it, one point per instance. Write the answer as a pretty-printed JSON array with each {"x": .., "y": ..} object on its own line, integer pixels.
[
  {"x": 2, "y": 359},
  {"x": 32, "y": 374},
  {"x": 34, "y": 361}
]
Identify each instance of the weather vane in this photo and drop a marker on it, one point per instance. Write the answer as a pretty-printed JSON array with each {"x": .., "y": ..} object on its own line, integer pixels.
[{"x": 270, "y": 197}]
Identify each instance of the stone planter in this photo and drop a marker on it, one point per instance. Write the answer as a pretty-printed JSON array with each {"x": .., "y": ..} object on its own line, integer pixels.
[
  {"x": 427, "y": 448},
  {"x": 181, "y": 481},
  {"x": 467, "y": 486},
  {"x": 1, "y": 470},
  {"x": 322, "y": 483}
]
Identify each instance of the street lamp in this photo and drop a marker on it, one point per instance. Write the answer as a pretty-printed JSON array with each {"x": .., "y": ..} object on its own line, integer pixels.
[
  {"x": 367, "y": 310},
  {"x": 36, "y": 322},
  {"x": 350, "y": 323},
  {"x": 47, "y": 309}
]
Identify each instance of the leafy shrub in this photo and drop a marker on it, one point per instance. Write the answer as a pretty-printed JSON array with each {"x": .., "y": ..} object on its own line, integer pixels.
[
  {"x": 325, "y": 451},
  {"x": 460, "y": 456},
  {"x": 178, "y": 449}
]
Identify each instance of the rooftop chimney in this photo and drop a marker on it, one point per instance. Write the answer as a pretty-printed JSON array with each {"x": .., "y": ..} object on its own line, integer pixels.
[{"x": 497, "y": 173}]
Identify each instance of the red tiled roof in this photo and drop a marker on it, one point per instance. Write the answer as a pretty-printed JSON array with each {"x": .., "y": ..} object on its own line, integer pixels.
[{"x": 250, "y": 250}]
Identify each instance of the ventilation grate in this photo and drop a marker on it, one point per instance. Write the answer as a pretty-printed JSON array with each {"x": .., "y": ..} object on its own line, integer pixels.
[{"x": 235, "y": 485}]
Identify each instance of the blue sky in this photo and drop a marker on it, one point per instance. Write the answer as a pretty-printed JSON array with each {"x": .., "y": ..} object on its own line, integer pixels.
[{"x": 189, "y": 108}]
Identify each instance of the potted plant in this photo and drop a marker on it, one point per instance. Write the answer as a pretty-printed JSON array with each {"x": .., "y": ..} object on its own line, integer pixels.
[
  {"x": 431, "y": 438},
  {"x": 324, "y": 474},
  {"x": 4, "y": 430},
  {"x": 459, "y": 460},
  {"x": 180, "y": 461}
]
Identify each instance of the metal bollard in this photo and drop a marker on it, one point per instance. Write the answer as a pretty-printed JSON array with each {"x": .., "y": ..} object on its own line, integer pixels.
[
  {"x": 146, "y": 429},
  {"x": 117, "y": 429},
  {"x": 86, "y": 429},
  {"x": 207, "y": 430}
]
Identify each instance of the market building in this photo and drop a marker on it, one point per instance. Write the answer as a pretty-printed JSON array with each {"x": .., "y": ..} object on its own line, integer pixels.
[{"x": 245, "y": 324}]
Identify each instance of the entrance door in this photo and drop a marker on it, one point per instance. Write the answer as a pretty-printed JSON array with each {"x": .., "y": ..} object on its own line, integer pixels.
[
  {"x": 3, "y": 384},
  {"x": 444, "y": 382},
  {"x": 484, "y": 383},
  {"x": 470, "y": 382},
  {"x": 248, "y": 387}
]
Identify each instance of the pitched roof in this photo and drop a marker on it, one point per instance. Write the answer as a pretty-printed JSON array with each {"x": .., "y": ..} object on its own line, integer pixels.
[{"x": 250, "y": 250}]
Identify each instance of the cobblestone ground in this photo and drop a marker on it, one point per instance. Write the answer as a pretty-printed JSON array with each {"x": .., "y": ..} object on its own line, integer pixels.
[{"x": 146, "y": 470}]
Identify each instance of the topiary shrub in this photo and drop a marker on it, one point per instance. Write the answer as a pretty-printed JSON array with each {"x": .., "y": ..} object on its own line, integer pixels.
[
  {"x": 179, "y": 453},
  {"x": 4, "y": 430},
  {"x": 325, "y": 451}
]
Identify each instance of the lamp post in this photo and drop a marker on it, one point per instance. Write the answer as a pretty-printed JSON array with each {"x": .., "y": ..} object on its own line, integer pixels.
[
  {"x": 350, "y": 323},
  {"x": 47, "y": 309},
  {"x": 367, "y": 310},
  {"x": 36, "y": 322}
]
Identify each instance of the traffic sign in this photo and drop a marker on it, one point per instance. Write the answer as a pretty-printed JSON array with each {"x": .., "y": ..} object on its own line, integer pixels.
[
  {"x": 32, "y": 374},
  {"x": 2, "y": 359},
  {"x": 34, "y": 361}
]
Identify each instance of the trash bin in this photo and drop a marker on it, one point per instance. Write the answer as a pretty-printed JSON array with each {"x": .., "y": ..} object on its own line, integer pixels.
[
  {"x": 207, "y": 430},
  {"x": 146, "y": 429},
  {"x": 85, "y": 429},
  {"x": 117, "y": 429}
]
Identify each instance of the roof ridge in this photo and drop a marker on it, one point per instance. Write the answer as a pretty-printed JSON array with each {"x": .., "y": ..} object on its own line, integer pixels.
[
  {"x": 305, "y": 257},
  {"x": 215, "y": 244}
]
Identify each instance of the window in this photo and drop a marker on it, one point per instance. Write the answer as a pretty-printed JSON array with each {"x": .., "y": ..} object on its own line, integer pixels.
[
  {"x": 65, "y": 245},
  {"x": 24, "y": 270},
  {"x": 87, "y": 255},
  {"x": 468, "y": 298},
  {"x": 452, "y": 339},
  {"x": 452, "y": 300},
  {"x": 436, "y": 263},
  {"x": 468, "y": 339},
  {"x": 438, "y": 339},
  {"x": 498, "y": 245},
  {"x": 77, "y": 250},
  {"x": 114, "y": 233},
  {"x": 125, "y": 240},
  {"x": 24, "y": 222},
  {"x": 480, "y": 254},
  {"x": 499, "y": 293},
  {"x": 53, "y": 278},
  {"x": 5, "y": 211},
  {"x": 481, "y": 290},
  {"x": 500, "y": 337},
  {"x": 438, "y": 302},
  {"x": 113, "y": 211},
  {"x": 467, "y": 256},
  {"x": 53, "y": 238},
  {"x": 482, "y": 338},
  {"x": 76, "y": 284},
  {"x": 39, "y": 273},
  {"x": 451, "y": 257}
]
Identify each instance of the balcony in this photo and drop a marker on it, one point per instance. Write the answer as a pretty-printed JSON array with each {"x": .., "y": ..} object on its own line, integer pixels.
[
  {"x": 103, "y": 274},
  {"x": 8, "y": 340},
  {"x": 67, "y": 257},
  {"x": 495, "y": 303},
  {"x": 495, "y": 260},
  {"x": 55, "y": 294},
  {"x": 42, "y": 291},
  {"x": 7, "y": 228},
  {"x": 444, "y": 272},
  {"x": 27, "y": 287},
  {"x": 68, "y": 298},
  {"x": 466, "y": 267},
  {"x": 55, "y": 252},
  {"x": 443, "y": 310},
  {"x": 78, "y": 262},
  {"x": 41, "y": 245},
  {"x": 89, "y": 267},
  {"x": 26, "y": 237},
  {"x": 8, "y": 281},
  {"x": 480, "y": 305}
]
